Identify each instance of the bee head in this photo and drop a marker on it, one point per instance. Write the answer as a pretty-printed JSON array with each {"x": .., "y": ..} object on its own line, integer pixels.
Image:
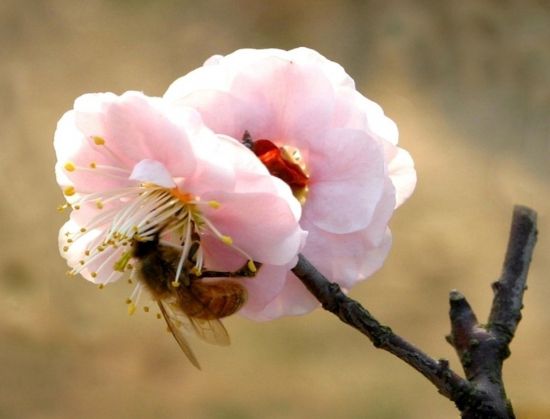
[{"x": 142, "y": 249}]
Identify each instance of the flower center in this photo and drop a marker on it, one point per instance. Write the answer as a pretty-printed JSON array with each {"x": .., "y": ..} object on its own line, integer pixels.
[
  {"x": 284, "y": 162},
  {"x": 142, "y": 212}
]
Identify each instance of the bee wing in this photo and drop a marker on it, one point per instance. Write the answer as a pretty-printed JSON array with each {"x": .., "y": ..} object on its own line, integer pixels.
[
  {"x": 211, "y": 331},
  {"x": 174, "y": 326}
]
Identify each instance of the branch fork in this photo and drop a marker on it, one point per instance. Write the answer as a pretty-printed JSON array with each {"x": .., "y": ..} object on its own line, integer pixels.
[{"x": 481, "y": 349}]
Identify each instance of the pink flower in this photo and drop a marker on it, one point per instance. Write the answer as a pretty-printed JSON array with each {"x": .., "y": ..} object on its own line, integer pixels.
[
  {"x": 133, "y": 167},
  {"x": 301, "y": 114}
]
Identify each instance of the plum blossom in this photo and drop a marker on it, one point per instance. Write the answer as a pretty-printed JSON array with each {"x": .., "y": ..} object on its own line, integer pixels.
[
  {"x": 133, "y": 167},
  {"x": 303, "y": 117}
]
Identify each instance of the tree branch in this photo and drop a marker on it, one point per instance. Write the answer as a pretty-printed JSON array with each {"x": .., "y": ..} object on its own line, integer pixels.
[
  {"x": 481, "y": 350},
  {"x": 509, "y": 289},
  {"x": 354, "y": 314}
]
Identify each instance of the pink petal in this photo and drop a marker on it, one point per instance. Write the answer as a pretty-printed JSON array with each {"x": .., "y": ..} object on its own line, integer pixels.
[
  {"x": 237, "y": 117},
  {"x": 100, "y": 270},
  {"x": 293, "y": 300},
  {"x": 261, "y": 224},
  {"x": 378, "y": 123},
  {"x": 295, "y": 99},
  {"x": 154, "y": 172},
  {"x": 346, "y": 258},
  {"x": 72, "y": 146},
  {"x": 402, "y": 172},
  {"x": 263, "y": 288},
  {"x": 135, "y": 127},
  {"x": 347, "y": 179}
]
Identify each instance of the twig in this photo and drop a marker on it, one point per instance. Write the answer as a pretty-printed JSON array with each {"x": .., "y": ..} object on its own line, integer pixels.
[{"x": 481, "y": 350}]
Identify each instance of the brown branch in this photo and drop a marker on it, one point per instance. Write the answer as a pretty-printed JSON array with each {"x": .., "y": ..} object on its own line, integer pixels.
[
  {"x": 481, "y": 350},
  {"x": 509, "y": 289},
  {"x": 351, "y": 312}
]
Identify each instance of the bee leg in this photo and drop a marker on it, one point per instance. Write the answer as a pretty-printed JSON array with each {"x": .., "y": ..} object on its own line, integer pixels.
[{"x": 248, "y": 270}]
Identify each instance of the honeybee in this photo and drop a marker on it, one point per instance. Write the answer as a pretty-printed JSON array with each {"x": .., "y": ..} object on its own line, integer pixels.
[{"x": 192, "y": 304}]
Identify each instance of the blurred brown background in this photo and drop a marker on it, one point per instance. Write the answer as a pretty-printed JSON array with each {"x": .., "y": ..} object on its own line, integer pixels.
[{"x": 468, "y": 84}]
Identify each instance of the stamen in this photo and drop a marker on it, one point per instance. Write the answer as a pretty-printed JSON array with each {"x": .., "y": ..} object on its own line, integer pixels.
[
  {"x": 69, "y": 166},
  {"x": 98, "y": 140},
  {"x": 133, "y": 300},
  {"x": 227, "y": 240},
  {"x": 63, "y": 207},
  {"x": 186, "y": 198},
  {"x": 199, "y": 262},
  {"x": 138, "y": 208},
  {"x": 69, "y": 191},
  {"x": 184, "y": 253},
  {"x": 102, "y": 170},
  {"x": 160, "y": 210},
  {"x": 140, "y": 212},
  {"x": 95, "y": 256},
  {"x": 120, "y": 265}
]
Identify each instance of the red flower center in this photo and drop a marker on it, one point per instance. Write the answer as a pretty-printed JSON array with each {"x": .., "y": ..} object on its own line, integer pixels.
[{"x": 280, "y": 164}]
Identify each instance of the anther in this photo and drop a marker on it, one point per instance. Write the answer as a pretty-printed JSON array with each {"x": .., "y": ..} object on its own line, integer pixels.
[
  {"x": 146, "y": 309},
  {"x": 251, "y": 266},
  {"x": 69, "y": 166},
  {"x": 98, "y": 140},
  {"x": 131, "y": 308},
  {"x": 93, "y": 165},
  {"x": 101, "y": 286},
  {"x": 214, "y": 204},
  {"x": 226, "y": 239},
  {"x": 93, "y": 274},
  {"x": 69, "y": 191}
]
